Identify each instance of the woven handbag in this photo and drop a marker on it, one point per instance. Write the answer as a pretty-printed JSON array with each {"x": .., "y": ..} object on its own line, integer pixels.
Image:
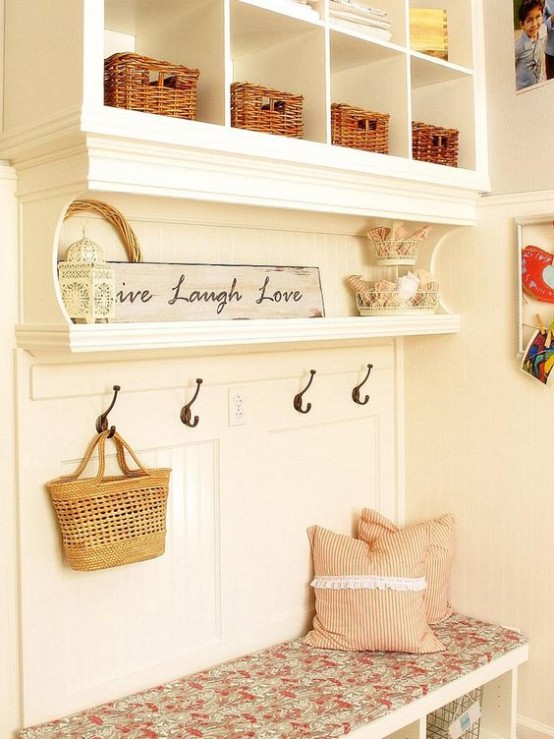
[{"x": 110, "y": 521}]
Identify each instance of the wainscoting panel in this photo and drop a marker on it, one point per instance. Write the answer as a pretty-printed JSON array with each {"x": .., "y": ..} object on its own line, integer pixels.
[{"x": 236, "y": 571}]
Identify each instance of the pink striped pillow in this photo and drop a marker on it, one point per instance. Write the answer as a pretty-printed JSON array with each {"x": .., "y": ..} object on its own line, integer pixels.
[
  {"x": 438, "y": 562},
  {"x": 371, "y": 598}
]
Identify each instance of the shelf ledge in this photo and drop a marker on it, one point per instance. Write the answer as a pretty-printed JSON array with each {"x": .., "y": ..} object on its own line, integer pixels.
[
  {"x": 114, "y": 150},
  {"x": 213, "y": 334}
]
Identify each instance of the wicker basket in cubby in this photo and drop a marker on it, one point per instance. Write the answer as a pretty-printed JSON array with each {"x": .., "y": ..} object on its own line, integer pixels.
[
  {"x": 140, "y": 83},
  {"x": 359, "y": 128},
  {"x": 258, "y": 108},
  {"x": 435, "y": 144}
]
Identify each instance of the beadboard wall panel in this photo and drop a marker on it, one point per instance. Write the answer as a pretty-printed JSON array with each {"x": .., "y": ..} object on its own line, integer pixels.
[
  {"x": 235, "y": 575},
  {"x": 188, "y": 233},
  {"x": 490, "y": 429}
]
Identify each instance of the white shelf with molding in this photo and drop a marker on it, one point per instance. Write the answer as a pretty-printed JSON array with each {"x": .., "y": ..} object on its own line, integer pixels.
[
  {"x": 124, "y": 151},
  {"x": 178, "y": 335}
]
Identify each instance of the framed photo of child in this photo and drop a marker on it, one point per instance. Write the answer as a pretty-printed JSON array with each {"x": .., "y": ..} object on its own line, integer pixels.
[{"x": 533, "y": 42}]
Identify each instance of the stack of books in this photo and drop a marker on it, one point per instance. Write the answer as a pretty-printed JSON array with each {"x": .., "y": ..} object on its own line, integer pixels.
[
  {"x": 360, "y": 17},
  {"x": 297, "y": 8}
]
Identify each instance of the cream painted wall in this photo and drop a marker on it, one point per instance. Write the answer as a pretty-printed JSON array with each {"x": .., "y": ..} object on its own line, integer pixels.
[
  {"x": 478, "y": 444},
  {"x": 9, "y": 658},
  {"x": 521, "y": 150},
  {"x": 479, "y": 432}
]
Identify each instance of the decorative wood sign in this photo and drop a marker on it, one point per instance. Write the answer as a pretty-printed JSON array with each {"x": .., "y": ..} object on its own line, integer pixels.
[{"x": 148, "y": 291}]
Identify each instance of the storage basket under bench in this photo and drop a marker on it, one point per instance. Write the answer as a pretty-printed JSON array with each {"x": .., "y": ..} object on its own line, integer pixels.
[{"x": 295, "y": 691}]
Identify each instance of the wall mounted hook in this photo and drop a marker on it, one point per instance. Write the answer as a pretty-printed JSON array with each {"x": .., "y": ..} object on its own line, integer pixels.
[
  {"x": 102, "y": 420},
  {"x": 298, "y": 398},
  {"x": 186, "y": 413},
  {"x": 356, "y": 391}
]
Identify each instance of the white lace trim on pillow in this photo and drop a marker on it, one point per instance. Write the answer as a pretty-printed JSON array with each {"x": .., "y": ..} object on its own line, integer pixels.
[{"x": 369, "y": 582}]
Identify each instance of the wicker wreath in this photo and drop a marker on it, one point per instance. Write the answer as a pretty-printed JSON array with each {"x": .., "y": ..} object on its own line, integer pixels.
[{"x": 113, "y": 216}]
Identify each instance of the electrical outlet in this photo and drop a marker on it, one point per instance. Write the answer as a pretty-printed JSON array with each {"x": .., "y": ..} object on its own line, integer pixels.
[{"x": 237, "y": 407}]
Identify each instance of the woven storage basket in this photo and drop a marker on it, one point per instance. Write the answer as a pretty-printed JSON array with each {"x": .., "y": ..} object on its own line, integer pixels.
[
  {"x": 258, "y": 108},
  {"x": 115, "y": 218},
  {"x": 359, "y": 128},
  {"x": 396, "y": 251},
  {"x": 106, "y": 521},
  {"x": 140, "y": 83},
  {"x": 381, "y": 299},
  {"x": 468, "y": 721},
  {"x": 435, "y": 144}
]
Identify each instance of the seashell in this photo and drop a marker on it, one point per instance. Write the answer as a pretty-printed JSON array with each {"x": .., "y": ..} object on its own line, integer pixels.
[
  {"x": 405, "y": 247},
  {"x": 385, "y": 286},
  {"x": 357, "y": 284},
  {"x": 425, "y": 278},
  {"x": 398, "y": 231},
  {"x": 360, "y": 287},
  {"x": 381, "y": 233},
  {"x": 420, "y": 234}
]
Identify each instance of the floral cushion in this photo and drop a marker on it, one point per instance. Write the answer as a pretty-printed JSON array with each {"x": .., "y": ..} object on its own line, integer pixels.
[
  {"x": 291, "y": 690},
  {"x": 438, "y": 560},
  {"x": 371, "y": 596}
]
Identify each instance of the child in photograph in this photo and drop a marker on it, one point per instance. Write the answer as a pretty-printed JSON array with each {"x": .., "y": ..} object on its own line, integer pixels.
[
  {"x": 549, "y": 24},
  {"x": 530, "y": 45}
]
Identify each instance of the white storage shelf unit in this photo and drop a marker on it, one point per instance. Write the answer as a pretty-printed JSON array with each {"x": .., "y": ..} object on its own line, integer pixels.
[
  {"x": 251, "y": 41},
  {"x": 65, "y": 143}
]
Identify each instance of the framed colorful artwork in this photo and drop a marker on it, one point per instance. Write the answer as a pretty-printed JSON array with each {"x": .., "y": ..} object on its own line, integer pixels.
[{"x": 535, "y": 339}]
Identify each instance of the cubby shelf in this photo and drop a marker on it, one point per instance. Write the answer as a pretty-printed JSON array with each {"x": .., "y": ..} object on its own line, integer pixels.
[{"x": 248, "y": 40}]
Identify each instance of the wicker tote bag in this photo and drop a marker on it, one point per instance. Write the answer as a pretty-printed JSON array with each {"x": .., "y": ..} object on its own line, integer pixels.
[{"x": 106, "y": 521}]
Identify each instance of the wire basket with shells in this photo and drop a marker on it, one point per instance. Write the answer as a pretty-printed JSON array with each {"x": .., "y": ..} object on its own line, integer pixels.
[
  {"x": 396, "y": 245},
  {"x": 415, "y": 292}
]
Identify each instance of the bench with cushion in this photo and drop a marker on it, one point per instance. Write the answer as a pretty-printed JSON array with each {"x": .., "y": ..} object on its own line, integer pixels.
[{"x": 296, "y": 691}]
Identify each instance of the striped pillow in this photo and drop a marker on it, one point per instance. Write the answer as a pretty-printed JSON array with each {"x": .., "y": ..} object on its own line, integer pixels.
[
  {"x": 370, "y": 597},
  {"x": 438, "y": 563}
]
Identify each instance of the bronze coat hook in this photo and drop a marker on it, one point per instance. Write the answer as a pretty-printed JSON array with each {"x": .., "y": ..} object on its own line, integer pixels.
[
  {"x": 298, "y": 397},
  {"x": 102, "y": 421},
  {"x": 356, "y": 390},
  {"x": 185, "y": 410}
]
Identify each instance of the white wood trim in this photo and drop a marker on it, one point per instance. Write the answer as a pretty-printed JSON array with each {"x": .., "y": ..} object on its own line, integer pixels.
[
  {"x": 9, "y": 607},
  {"x": 126, "y": 151},
  {"x": 205, "y": 334},
  {"x": 530, "y": 729},
  {"x": 400, "y": 432},
  {"x": 539, "y": 200}
]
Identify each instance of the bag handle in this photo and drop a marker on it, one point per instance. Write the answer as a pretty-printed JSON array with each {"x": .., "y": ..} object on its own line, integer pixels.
[{"x": 121, "y": 447}]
